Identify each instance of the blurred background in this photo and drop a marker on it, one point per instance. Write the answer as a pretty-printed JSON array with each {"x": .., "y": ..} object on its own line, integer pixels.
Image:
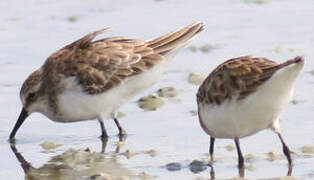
[{"x": 163, "y": 141}]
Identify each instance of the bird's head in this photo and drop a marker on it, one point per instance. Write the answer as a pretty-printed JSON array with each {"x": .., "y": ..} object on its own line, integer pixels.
[{"x": 32, "y": 97}]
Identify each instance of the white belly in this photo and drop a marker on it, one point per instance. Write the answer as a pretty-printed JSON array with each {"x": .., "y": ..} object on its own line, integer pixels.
[
  {"x": 76, "y": 105},
  {"x": 256, "y": 112}
]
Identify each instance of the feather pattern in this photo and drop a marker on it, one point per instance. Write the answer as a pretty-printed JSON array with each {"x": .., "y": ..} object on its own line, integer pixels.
[
  {"x": 100, "y": 65},
  {"x": 238, "y": 77}
]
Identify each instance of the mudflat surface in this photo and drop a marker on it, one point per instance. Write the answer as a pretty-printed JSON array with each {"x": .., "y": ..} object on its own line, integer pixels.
[{"x": 167, "y": 143}]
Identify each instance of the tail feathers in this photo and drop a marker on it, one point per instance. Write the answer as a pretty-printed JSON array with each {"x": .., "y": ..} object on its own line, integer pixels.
[
  {"x": 297, "y": 60},
  {"x": 174, "y": 40}
]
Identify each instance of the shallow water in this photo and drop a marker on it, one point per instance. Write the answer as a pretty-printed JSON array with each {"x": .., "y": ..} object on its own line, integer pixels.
[{"x": 276, "y": 29}]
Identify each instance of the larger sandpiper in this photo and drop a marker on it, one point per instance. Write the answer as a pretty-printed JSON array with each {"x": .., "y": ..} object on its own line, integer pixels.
[
  {"x": 89, "y": 79},
  {"x": 245, "y": 95}
]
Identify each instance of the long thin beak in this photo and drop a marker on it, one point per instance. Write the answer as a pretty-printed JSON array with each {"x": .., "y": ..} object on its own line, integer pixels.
[{"x": 22, "y": 117}]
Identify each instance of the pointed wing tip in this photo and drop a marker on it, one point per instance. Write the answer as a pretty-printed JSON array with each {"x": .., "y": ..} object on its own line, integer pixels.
[
  {"x": 105, "y": 29},
  {"x": 198, "y": 25},
  {"x": 84, "y": 41},
  {"x": 100, "y": 31}
]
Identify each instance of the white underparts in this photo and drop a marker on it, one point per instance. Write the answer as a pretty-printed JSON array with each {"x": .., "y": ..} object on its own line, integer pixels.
[{"x": 76, "y": 105}]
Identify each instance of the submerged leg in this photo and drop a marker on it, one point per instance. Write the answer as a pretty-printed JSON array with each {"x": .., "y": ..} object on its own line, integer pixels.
[
  {"x": 286, "y": 151},
  {"x": 121, "y": 130},
  {"x": 240, "y": 156},
  {"x": 103, "y": 130},
  {"x": 211, "y": 148},
  {"x": 120, "y": 144},
  {"x": 104, "y": 142},
  {"x": 241, "y": 172},
  {"x": 212, "y": 172}
]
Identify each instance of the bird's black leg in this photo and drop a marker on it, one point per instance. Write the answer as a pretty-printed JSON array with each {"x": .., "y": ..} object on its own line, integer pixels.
[
  {"x": 122, "y": 132},
  {"x": 240, "y": 156},
  {"x": 286, "y": 151},
  {"x": 211, "y": 148},
  {"x": 104, "y": 134}
]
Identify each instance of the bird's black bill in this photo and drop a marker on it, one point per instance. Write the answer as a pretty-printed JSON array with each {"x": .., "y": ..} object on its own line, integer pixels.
[{"x": 19, "y": 122}]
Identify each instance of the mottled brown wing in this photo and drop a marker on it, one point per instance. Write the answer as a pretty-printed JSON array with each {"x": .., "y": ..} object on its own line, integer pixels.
[
  {"x": 99, "y": 65},
  {"x": 236, "y": 78}
]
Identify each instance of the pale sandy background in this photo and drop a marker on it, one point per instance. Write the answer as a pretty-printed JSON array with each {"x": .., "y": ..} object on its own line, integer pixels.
[{"x": 278, "y": 29}]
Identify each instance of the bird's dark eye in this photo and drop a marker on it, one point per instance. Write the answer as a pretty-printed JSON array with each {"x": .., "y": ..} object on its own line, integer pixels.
[{"x": 31, "y": 96}]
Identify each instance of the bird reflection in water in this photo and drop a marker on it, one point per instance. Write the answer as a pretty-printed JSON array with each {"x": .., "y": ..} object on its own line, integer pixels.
[
  {"x": 76, "y": 164},
  {"x": 212, "y": 172},
  {"x": 104, "y": 142},
  {"x": 241, "y": 171}
]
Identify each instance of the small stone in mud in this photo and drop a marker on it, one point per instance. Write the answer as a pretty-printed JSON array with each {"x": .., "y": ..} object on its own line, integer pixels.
[
  {"x": 308, "y": 149},
  {"x": 277, "y": 50},
  {"x": 167, "y": 92},
  {"x": 291, "y": 49},
  {"x": 151, "y": 152},
  {"x": 193, "y": 112},
  {"x": 230, "y": 147},
  {"x": 176, "y": 100},
  {"x": 257, "y": 1},
  {"x": 47, "y": 145},
  {"x": 271, "y": 156},
  {"x": 208, "y": 48},
  {"x": 14, "y": 19},
  {"x": 129, "y": 154},
  {"x": 197, "y": 166},
  {"x": 173, "y": 167},
  {"x": 193, "y": 49},
  {"x": 143, "y": 175},
  {"x": 250, "y": 167},
  {"x": 261, "y": 1},
  {"x": 251, "y": 158},
  {"x": 196, "y": 79},
  {"x": 295, "y": 101},
  {"x": 150, "y": 102},
  {"x": 72, "y": 19}
]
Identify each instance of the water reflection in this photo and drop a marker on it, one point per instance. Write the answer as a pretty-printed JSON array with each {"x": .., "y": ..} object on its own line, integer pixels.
[
  {"x": 104, "y": 143},
  {"x": 241, "y": 172},
  {"x": 77, "y": 164}
]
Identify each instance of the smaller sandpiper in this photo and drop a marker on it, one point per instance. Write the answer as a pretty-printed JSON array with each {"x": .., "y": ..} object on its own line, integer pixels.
[{"x": 245, "y": 95}]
